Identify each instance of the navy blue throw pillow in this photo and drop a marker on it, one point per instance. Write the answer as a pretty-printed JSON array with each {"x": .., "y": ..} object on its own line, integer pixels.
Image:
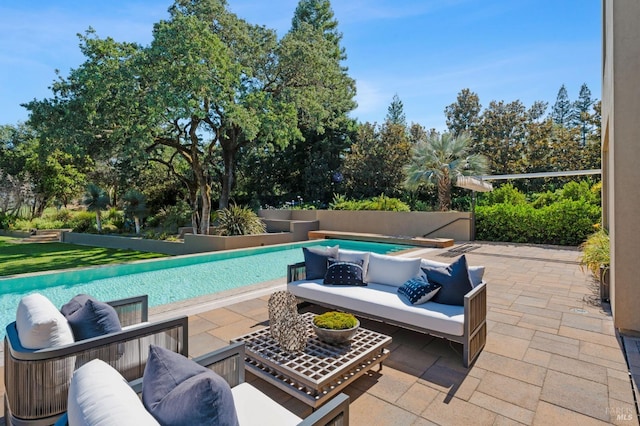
[
  {"x": 179, "y": 391},
  {"x": 344, "y": 273},
  {"x": 454, "y": 280},
  {"x": 418, "y": 290},
  {"x": 89, "y": 317},
  {"x": 315, "y": 260}
]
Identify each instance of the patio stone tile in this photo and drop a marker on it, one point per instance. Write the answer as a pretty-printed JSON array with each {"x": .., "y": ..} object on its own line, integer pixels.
[
  {"x": 511, "y": 347},
  {"x": 390, "y": 385},
  {"x": 622, "y": 413},
  {"x": 513, "y": 331},
  {"x": 510, "y": 390},
  {"x": 506, "y": 409},
  {"x": 371, "y": 411},
  {"x": 555, "y": 344},
  {"x": 457, "y": 412},
  {"x": 494, "y": 314},
  {"x": 614, "y": 364},
  {"x": 443, "y": 379},
  {"x": 574, "y": 367},
  {"x": 538, "y": 321},
  {"x": 562, "y": 389},
  {"x": 536, "y": 327},
  {"x": 513, "y": 368},
  {"x": 421, "y": 421},
  {"x": 550, "y": 414},
  {"x": 531, "y": 301},
  {"x": 505, "y": 421},
  {"x": 203, "y": 343},
  {"x": 582, "y": 322},
  {"x": 537, "y": 357},
  {"x": 236, "y": 329},
  {"x": 541, "y": 312},
  {"x": 601, "y": 351},
  {"x": 605, "y": 339},
  {"x": 199, "y": 325},
  {"x": 411, "y": 360},
  {"x": 417, "y": 398},
  {"x": 619, "y": 389},
  {"x": 222, "y": 316}
]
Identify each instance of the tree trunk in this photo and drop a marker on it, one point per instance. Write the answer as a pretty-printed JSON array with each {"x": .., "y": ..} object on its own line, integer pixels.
[
  {"x": 136, "y": 220},
  {"x": 229, "y": 157},
  {"x": 205, "y": 219},
  {"x": 98, "y": 221},
  {"x": 444, "y": 192}
]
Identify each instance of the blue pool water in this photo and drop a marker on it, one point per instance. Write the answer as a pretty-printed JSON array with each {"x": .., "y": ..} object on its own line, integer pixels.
[{"x": 170, "y": 279}]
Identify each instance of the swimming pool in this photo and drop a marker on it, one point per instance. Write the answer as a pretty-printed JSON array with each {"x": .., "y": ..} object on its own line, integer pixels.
[{"x": 168, "y": 280}]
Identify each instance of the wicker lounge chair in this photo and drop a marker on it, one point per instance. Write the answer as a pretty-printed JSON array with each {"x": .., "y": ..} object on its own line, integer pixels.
[{"x": 37, "y": 381}]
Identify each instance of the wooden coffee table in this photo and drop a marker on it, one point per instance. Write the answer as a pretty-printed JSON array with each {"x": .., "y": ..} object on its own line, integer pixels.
[{"x": 320, "y": 371}]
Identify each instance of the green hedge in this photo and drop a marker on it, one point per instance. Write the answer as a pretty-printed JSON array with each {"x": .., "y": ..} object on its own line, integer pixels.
[{"x": 565, "y": 222}]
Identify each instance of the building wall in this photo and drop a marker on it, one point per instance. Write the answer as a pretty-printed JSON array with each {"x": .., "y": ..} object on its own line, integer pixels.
[{"x": 621, "y": 154}]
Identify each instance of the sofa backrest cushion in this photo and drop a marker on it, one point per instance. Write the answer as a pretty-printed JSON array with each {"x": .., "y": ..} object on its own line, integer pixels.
[
  {"x": 40, "y": 324},
  {"x": 454, "y": 280},
  {"x": 315, "y": 260},
  {"x": 354, "y": 256},
  {"x": 476, "y": 273},
  {"x": 89, "y": 317},
  {"x": 344, "y": 273},
  {"x": 179, "y": 391},
  {"x": 99, "y": 395},
  {"x": 391, "y": 270}
]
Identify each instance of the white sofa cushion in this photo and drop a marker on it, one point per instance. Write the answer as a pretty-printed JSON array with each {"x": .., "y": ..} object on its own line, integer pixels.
[
  {"x": 100, "y": 396},
  {"x": 256, "y": 408},
  {"x": 40, "y": 324},
  {"x": 392, "y": 270},
  {"x": 382, "y": 301}
]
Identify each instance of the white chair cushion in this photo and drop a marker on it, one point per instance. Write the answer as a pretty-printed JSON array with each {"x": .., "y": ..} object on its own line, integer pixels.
[
  {"x": 100, "y": 396},
  {"x": 392, "y": 270},
  {"x": 40, "y": 324},
  {"x": 255, "y": 408}
]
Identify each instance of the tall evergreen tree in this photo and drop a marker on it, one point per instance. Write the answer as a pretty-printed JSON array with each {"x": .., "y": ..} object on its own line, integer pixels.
[
  {"x": 582, "y": 113},
  {"x": 464, "y": 114},
  {"x": 561, "y": 111},
  {"x": 395, "y": 112}
]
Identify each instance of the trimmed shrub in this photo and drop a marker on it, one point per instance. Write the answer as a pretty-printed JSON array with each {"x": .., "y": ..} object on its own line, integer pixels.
[{"x": 382, "y": 203}]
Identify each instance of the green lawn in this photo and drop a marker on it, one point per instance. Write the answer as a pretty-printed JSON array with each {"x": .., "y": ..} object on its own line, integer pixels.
[{"x": 20, "y": 258}]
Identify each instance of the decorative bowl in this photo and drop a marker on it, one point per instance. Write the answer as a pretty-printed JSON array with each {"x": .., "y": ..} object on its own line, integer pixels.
[{"x": 335, "y": 337}]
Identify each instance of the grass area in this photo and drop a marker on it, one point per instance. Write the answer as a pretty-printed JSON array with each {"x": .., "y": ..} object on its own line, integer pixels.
[{"x": 21, "y": 258}]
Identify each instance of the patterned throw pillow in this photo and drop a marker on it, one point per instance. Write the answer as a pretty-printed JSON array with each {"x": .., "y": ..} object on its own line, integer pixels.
[
  {"x": 344, "y": 273},
  {"x": 418, "y": 290}
]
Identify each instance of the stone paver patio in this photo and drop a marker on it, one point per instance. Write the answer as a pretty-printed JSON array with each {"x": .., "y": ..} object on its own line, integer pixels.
[{"x": 552, "y": 354}]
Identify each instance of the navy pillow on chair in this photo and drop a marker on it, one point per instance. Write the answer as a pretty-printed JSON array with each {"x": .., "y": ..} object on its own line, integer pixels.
[
  {"x": 344, "y": 273},
  {"x": 418, "y": 290},
  {"x": 89, "y": 317},
  {"x": 179, "y": 391},
  {"x": 315, "y": 260},
  {"x": 454, "y": 280}
]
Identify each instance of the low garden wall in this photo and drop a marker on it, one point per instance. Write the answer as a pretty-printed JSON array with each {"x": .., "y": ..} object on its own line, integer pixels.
[{"x": 455, "y": 225}]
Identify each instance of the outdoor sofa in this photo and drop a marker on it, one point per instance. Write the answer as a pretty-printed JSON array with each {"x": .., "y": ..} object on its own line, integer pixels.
[
  {"x": 378, "y": 299},
  {"x": 37, "y": 380},
  {"x": 170, "y": 399}
]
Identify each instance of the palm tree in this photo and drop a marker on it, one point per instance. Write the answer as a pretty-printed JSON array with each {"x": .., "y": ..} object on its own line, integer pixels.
[
  {"x": 440, "y": 160},
  {"x": 96, "y": 200},
  {"x": 135, "y": 205}
]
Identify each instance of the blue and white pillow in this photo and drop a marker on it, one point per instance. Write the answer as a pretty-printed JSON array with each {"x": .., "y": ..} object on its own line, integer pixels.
[
  {"x": 418, "y": 290},
  {"x": 344, "y": 273}
]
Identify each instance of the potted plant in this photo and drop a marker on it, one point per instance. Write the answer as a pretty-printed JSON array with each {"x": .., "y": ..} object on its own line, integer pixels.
[
  {"x": 596, "y": 257},
  {"x": 335, "y": 328}
]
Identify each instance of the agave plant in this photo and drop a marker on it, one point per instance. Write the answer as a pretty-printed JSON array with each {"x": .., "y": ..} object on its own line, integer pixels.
[{"x": 239, "y": 220}]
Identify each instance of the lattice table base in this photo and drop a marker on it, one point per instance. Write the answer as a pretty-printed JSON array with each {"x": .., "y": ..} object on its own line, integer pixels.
[{"x": 320, "y": 371}]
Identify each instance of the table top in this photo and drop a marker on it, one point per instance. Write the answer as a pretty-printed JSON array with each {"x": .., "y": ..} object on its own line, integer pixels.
[{"x": 320, "y": 363}]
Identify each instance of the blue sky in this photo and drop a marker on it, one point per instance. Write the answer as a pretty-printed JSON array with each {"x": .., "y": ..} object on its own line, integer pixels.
[{"x": 425, "y": 51}]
